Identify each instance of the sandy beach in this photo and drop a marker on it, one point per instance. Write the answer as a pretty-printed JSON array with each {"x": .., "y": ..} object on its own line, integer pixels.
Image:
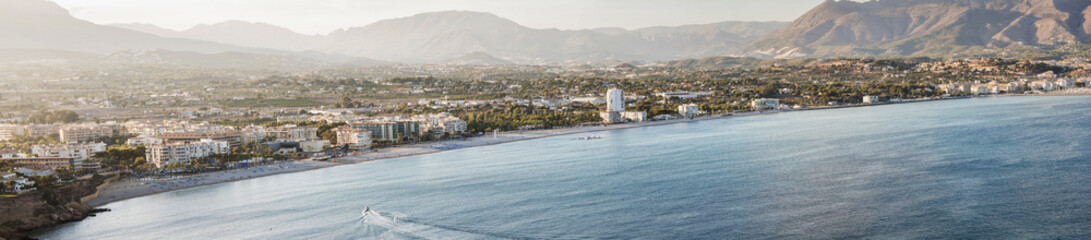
[
  {"x": 131, "y": 188},
  {"x": 135, "y": 187}
]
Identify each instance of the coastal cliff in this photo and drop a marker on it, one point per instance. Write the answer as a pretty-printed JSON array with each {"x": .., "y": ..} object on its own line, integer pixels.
[{"x": 47, "y": 208}]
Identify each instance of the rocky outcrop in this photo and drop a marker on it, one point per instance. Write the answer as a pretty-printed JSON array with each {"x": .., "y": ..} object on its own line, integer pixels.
[{"x": 37, "y": 210}]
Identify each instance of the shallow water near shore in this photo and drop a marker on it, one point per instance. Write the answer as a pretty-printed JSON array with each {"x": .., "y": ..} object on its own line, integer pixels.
[{"x": 983, "y": 168}]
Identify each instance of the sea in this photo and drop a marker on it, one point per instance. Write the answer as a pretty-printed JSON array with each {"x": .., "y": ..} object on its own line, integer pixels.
[{"x": 980, "y": 168}]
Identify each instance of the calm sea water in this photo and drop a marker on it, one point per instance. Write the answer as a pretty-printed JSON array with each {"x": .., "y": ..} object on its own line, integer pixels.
[{"x": 979, "y": 168}]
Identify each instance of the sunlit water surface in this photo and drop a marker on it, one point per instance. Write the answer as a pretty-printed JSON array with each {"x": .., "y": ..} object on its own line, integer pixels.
[{"x": 1013, "y": 167}]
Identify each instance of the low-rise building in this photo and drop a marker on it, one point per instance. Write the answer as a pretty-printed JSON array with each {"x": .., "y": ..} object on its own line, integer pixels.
[
  {"x": 44, "y": 162},
  {"x": 8, "y": 153},
  {"x": 77, "y": 151},
  {"x": 313, "y": 146},
  {"x": 979, "y": 89},
  {"x": 170, "y": 153},
  {"x": 611, "y": 117},
  {"x": 233, "y": 138},
  {"x": 35, "y": 171},
  {"x": 689, "y": 110},
  {"x": 391, "y": 131},
  {"x": 21, "y": 184},
  {"x": 252, "y": 134},
  {"x": 293, "y": 133},
  {"x": 357, "y": 138},
  {"x": 8, "y": 132},
  {"x": 633, "y": 116},
  {"x": 84, "y": 133},
  {"x": 143, "y": 141},
  {"x": 441, "y": 123},
  {"x": 41, "y": 130},
  {"x": 683, "y": 95},
  {"x": 765, "y": 103},
  {"x": 871, "y": 99}
]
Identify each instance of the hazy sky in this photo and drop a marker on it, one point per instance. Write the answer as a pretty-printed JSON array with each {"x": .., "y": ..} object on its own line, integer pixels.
[{"x": 324, "y": 16}]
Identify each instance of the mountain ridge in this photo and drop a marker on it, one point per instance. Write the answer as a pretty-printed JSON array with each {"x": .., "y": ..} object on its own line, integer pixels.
[
  {"x": 926, "y": 27},
  {"x": 54, "y": 28},
  {"x": 436, "y": 37}
]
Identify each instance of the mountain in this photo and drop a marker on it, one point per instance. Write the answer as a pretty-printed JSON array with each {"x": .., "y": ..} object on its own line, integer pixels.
[
  {"x": 238, "y": 33},
  {"x": 149, "y": 29},
  {"x": 478, "y": 58},
  {"x": 458, "y": 37},
  {"x": 39, "y": 24},
  {"x": 927, "y": 27},
  {"x": 441, "y": 36}
]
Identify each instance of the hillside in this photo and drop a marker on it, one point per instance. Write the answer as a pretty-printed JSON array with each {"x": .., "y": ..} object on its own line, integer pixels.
[
  {"x": 238, "y": 33},
  {"x": 53, "y": 28},
  {"x": 477, "y": 58},
  {"x": 440, "y": 36},
  {"x": 927, "y": 28}
]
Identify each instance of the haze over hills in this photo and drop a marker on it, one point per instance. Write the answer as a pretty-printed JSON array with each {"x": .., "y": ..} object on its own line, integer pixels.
[
  {"x": 53, "y": 28},
  {"x": 935, "y": 28},
  {"x": 238, "y": 33},
  {"x": 927, "y": 27},
  {"x": 442, "y": 36},
  {"x": 477, "y": 58}
]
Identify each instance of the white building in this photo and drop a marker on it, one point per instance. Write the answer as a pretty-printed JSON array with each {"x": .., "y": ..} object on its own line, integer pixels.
[
  {"x": 765, "y": 103},
  {"x": 979, "y": 89},
  {"x": 684, "y": 95},
  {"x": 346, "y": 135},
  {"x": 21, "y": 184},
  {"x": 441, "y": 123},
  {"x": 689, "y": 110},
  {"x": 615, "y": 100},
  {"x": 8, "y": 132},
  {"x": 313, "y": 146},
  {"x": 253, "y": 134},
  {"x": 84, "y": 133},
  {"x": 78, "y": 151},
  {"x": 871, "y": 99},
  {"x": 143, "y": 141},
  {"x": 293, "y": 133},
  {"x": 634, "y": 116},
  {"x": 166, "y": 154},
  {"x": 31, "y": 172},
  {"x": 591, "y": 100},
  {"x": 5, "y": 153}
]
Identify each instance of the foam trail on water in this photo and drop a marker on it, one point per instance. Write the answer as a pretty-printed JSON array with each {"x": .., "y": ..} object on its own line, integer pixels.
[{"x": 396, "y": 225}]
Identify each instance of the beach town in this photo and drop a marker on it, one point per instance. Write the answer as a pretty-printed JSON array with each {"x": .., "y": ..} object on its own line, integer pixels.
[{"x": 139, "y": 151}]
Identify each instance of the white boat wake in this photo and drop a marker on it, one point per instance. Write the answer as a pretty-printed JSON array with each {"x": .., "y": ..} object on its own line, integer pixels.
[{"x": 399, "y": 226}]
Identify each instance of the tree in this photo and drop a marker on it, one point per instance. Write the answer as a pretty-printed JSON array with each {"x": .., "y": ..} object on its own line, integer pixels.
[{"x": 768, "y": 90}]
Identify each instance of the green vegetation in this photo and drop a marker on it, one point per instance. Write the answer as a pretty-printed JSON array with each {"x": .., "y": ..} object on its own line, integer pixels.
[
  {"x": 124, "y": 157},
  {"x": 48, "y": 117},
  {"x": 325, "y": 130},
  {"x": 247, "y": 122},
  {"x": 25, "y": 143},
  {"x": 512, "y": 117}
]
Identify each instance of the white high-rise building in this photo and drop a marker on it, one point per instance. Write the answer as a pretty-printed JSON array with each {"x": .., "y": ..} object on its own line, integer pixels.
[{"x": 615, "y": 100}]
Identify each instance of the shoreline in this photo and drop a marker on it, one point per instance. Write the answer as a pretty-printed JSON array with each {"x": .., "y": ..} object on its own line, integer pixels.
[
  {"x": 124, "y": 189},
  {"x": 129, "y": 188}
]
